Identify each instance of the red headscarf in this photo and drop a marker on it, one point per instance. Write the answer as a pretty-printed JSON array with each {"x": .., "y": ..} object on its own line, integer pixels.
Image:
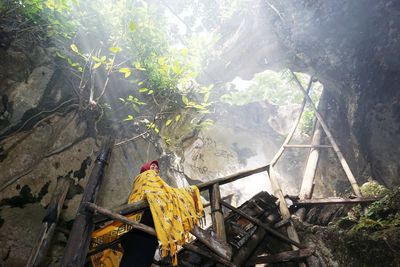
[{"x": 146, "y": 166}]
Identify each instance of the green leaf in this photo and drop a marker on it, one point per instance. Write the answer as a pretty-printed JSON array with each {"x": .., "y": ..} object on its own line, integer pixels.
[
  {"x": 132, "y": 26},
  {"x": 168, "y": 122},
  {"x": 115, "y": 49},
  {"x": 103, "y": 58},
  {"x": 150, "y": 92},
  {"x": 177, "y": 117},
  {"x": 138, "y": 66},
  {"x": 156, "y": 130},
  {"x": 74, "y": 48},
  {"x": 123, "y": 100},
  {"x": 185, "y": 100},
  {"x": 96, "y": 59},
  {"x": 129, "y": 118},
  {"x": 140, "y": 83},
  {"x": 126, "y": 71},
  {"x": 206, "y": 96},
  {"x": 98, "y": 64},
  {"x": 142, "y": 90}
]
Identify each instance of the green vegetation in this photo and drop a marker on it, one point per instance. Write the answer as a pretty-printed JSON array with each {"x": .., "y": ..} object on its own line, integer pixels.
[{"x": 278, "y": 88}]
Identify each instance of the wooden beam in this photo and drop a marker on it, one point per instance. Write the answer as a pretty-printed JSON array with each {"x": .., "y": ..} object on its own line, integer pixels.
[
  {"x": 335, "y": 147},
  {"x": 261, "y": 224},
  {"x": 217, "y": 217},
  {"x": 49, "y": 223},
  {"x": 220, "y": 248},
  {"x": 285, "y": 213},
  {"x": 79, "y": 239},
  {"x": 335, "y": 200},
  {"x": 285, "y": 256},
  {"x": 115, "y": 216},
  {"x": 308, "y": 146},
  {"x": 311, "y": 165}
]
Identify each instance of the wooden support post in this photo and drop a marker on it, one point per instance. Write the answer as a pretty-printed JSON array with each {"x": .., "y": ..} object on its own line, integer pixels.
[
  {"x": 49, "y": 223},
  {"x": 79, "y": 239},
  {"x": 283, "y": 257},
  {"x": 335, "y": 147},
  {"x": 262, "y": 225},
  {"x": 216, "y": 213},
  {"x": 311, "y": 166},
  {"x": 283, "y": 207}
]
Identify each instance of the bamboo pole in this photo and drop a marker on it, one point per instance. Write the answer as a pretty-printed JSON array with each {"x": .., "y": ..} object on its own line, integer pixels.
[
  {"x": 306, "y": 188},
  {"x": 79, "y": 239},
  {"x": 49, "y": 223},
  {"x": 335, "y": 147},
  {"x": 216, "y": 213},
  {"x": 285, "y": 213},
  {"x": 292, "y": 130},
  {"x": 220, "y": 248},
  {"x": 335, "y": 200}
]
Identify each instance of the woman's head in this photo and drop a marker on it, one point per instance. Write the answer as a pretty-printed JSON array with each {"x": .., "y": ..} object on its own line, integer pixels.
[{"x": 151, "y": 165}]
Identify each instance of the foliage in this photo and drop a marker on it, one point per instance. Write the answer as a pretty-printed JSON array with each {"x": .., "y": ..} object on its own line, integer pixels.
[
  {"x": 278, "y": 88},
  {"x": 124, "y": 41},
  {"x": 381, "y": 214}
]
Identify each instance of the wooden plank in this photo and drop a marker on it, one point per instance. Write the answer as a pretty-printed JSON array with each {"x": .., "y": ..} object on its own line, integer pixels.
[
  {"x": 308, "y": 146},
  {"x": 49, "y": 224},
  {"x": 115, "y": 216},
  {"x": 263, "y": 225},
  {"x": 332, "y": 140},
  {"x": 283, "y": 207},
  {"x": 285, "y": 256},
  {"x": 220, "y": 248},
  {"x": 79, "y": 239},
  {"x": 217, "y": 217},
  {"x": 335, "y": 200}
]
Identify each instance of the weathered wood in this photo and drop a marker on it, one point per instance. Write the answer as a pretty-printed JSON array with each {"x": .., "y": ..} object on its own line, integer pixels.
[
  {"x": 285, "y": 256},
  {"x": 335, "y": 200},
  {"x": 282, "y": 223},
  {"x": 308, "y": 146},
  {"x": 263, "y": 225},
  {"x": 115, "y": 216},
  {"x": 49, "y": 223},
  {"x": 208, "y": 255},
  {"x": 292, "y": 130},
  {"x": 335, "y": 147},
  {"x": 79, "y": 239},
  {"x": 220, "y": 248},
  {"x": 251, "y": 245},
  {"x": 231, "y": 178},
  {"x": 285, "y": 213},
  {"x": 311, "y": 166},
  {"x": 216, "y": 213}
]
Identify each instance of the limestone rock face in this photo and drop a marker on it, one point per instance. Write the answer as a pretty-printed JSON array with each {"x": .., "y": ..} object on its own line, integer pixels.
[{"x": 352, "y": 48}]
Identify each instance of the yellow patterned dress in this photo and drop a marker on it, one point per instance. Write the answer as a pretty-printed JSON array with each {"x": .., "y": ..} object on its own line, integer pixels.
[{"x": 175, "y": 212}]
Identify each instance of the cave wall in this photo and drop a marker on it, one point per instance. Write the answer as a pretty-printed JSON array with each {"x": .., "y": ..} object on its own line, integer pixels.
[{"x": 352, "y": 47}]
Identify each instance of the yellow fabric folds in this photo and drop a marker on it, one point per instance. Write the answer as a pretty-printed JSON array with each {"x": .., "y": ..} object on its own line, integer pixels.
[{"x": 175, "y": 212}]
